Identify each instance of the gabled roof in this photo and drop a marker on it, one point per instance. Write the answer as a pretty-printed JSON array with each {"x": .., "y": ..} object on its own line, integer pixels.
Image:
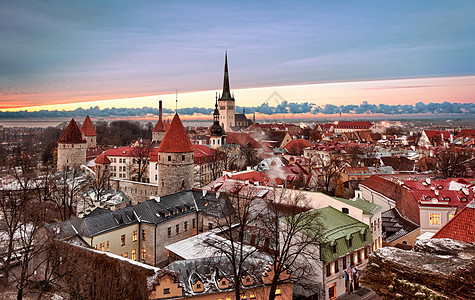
[
  {"x": 466, "y": 133},
  {"x": 395, "y": 226},
  {"x": 102, "y": 159},
  {"x": 353, "y": 124},
  {"x": 437, "y": 134},
  {"x": 337, "y": 229},
  {"x": 87, "y": 128},
  {"x": 72, "y": 134},
  {"x": 176, "y": 139},
  {"x": 298, "y": 144},
  {"x": 461, "y": 227},
  {"x": 242, "y": 139}
]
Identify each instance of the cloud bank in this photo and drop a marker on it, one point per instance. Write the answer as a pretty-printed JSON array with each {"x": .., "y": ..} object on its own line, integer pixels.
[{"x": 285, "y": 107}]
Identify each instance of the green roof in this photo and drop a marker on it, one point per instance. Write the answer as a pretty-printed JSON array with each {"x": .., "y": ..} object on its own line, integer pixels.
[
  {"x": 367, "y": 207},
  {"x": 338, "y": 228}
]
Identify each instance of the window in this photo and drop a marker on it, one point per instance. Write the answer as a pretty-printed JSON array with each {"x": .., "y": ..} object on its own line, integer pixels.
[
  {"x": 332, "y": 291},
  {"x": 143, "y": 234},
  {"x": 122, "y": 240},
  {"x": 345, "y": 210},
  {"x": 186, "y": 225},
  {"x": 434, "y": 219},
  {"x": 198, "y": 285},
  {"x": 329, "y": 271},
  {"x": 252, "y": 296},
  {"x": 451, "y": 216},
  {"x": 193, "y": 223},
  {"x": 344, "y": 262},
  {"x": 334, "y": 249},
  {"x": 278, "y": 292},
  {"x": 350, "y": 242},
  {"x": 134, "y": 236},
  {"x": 364, "y": 237},
  {"x": 177, "y": 228},
  {"x": 144, "y": 253},
  {"x": 166, "y": 291},
  {"x": 107, "y": 246},
  {"x": 101, "y": 247},
  {"x": 210, "y": 226},
  {"x": 223, "y": 282},
  {"x": 169, "y": 158},
  {"x": 169, "y": 231},
  {"x": 336, "y": 266},
  {"x": 126, "y": 255},
  {"x": 134, "y": 254},
  {"x": 183, "y": 157}
]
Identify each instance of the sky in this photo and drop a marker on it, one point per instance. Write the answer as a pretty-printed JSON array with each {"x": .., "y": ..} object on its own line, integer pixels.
[{"x": 69, "y": 54}]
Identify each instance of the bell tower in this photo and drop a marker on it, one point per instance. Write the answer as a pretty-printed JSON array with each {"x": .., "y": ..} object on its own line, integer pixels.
[{"x": 226, "y": 103}]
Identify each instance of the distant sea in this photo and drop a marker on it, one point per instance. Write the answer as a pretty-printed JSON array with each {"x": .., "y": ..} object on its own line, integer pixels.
[{"x": 43, "y": 123}]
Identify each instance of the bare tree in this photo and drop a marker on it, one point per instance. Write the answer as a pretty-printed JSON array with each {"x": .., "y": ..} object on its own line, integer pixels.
[
  {"x": 65, "y": 190},
  {"x": 452, "y": 162},
  {"x": 141, "y": 157},
  {"x": 331, "y": 172},
  {"x": 14, "y": 198},
  {"x": 294, "y": 238},
  {"x": 232, "y": 225}
]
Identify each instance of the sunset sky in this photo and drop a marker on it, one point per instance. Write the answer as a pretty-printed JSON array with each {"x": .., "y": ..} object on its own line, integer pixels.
[{"x": 69, "y": 54}]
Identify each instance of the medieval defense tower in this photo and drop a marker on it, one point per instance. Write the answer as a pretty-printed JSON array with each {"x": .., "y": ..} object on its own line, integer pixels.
[
  {"x": 175, "y": 160},
  {"x": 89, "y": 133},
  {"x": 158, "y": 132},
  {"x": 71, "y": 148}
]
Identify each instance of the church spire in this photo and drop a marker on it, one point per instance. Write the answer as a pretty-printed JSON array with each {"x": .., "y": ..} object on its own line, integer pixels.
[{"x": 226, "y": 90}]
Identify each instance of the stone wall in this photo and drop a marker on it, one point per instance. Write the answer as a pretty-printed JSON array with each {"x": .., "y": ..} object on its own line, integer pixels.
[
  {"x": 137, "y": 191},
  {"x": 71, "y": 155},
  {"x": 175, "y": 172}
]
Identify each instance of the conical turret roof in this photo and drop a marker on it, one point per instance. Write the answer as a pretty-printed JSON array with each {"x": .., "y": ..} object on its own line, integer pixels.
[
  {"x": 159, "y": 127},
  {"x": 176, "y": 139},
  {"x": 87, "y": 128},
  {"x": 102, "y": 159},
  {"x": 226, "y": 89},
  {"x": 72, "y": 134}
]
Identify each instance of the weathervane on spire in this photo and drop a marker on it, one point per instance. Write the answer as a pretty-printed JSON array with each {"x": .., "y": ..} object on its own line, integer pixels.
[{"x": 176, "y": 101}]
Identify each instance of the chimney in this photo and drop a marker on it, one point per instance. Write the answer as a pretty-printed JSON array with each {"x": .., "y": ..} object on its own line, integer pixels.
[
  {"x": 204, "y": 192},
  {"x": 436, "y": 192},
  {"x": 160, "y": 110},
  {"x": 428, "y": 180}
]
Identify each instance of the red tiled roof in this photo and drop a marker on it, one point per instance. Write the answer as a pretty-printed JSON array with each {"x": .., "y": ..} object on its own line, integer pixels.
[
  {"x": 102, "y": 159},
  {"x": 466, "y": 133},
  {"x": 437, "y": 134},
  {"x": 203, "y": 153},
  {"x": 126, "y": 151},
  {"x": 353, "y": 124},
  {"x": 159, "y": 127},
  {"x": 87, "y": 128},
  {"x": 297, "y": 144},
  {"x": 72, "y": 134},
  {"x": 242, "y": 139},
  {"x": 461, "y": 227},
  {"x": 176, "y": 139}
]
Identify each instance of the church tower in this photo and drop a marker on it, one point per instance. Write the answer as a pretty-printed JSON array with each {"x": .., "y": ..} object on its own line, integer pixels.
[
  {"x": 175, "y": 160},
  {"x": 71, "y": 148},
  {"x": 89, "y": 133},
  {"x": 217, "y": 137},
  {"x": 227, "y": 109}
]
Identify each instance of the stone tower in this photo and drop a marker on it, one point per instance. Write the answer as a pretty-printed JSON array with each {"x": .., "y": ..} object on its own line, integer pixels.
[
  {"x": 158, "y": 132},
  {"x": 102, "y": 170},
  {"x": 71, "y": 148},
  {"x": 217, "y": 136},
  {"x": 89, "y": 133},
  {"x": 227, "y": 109},
  {"x": 175, "y": 160}
]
